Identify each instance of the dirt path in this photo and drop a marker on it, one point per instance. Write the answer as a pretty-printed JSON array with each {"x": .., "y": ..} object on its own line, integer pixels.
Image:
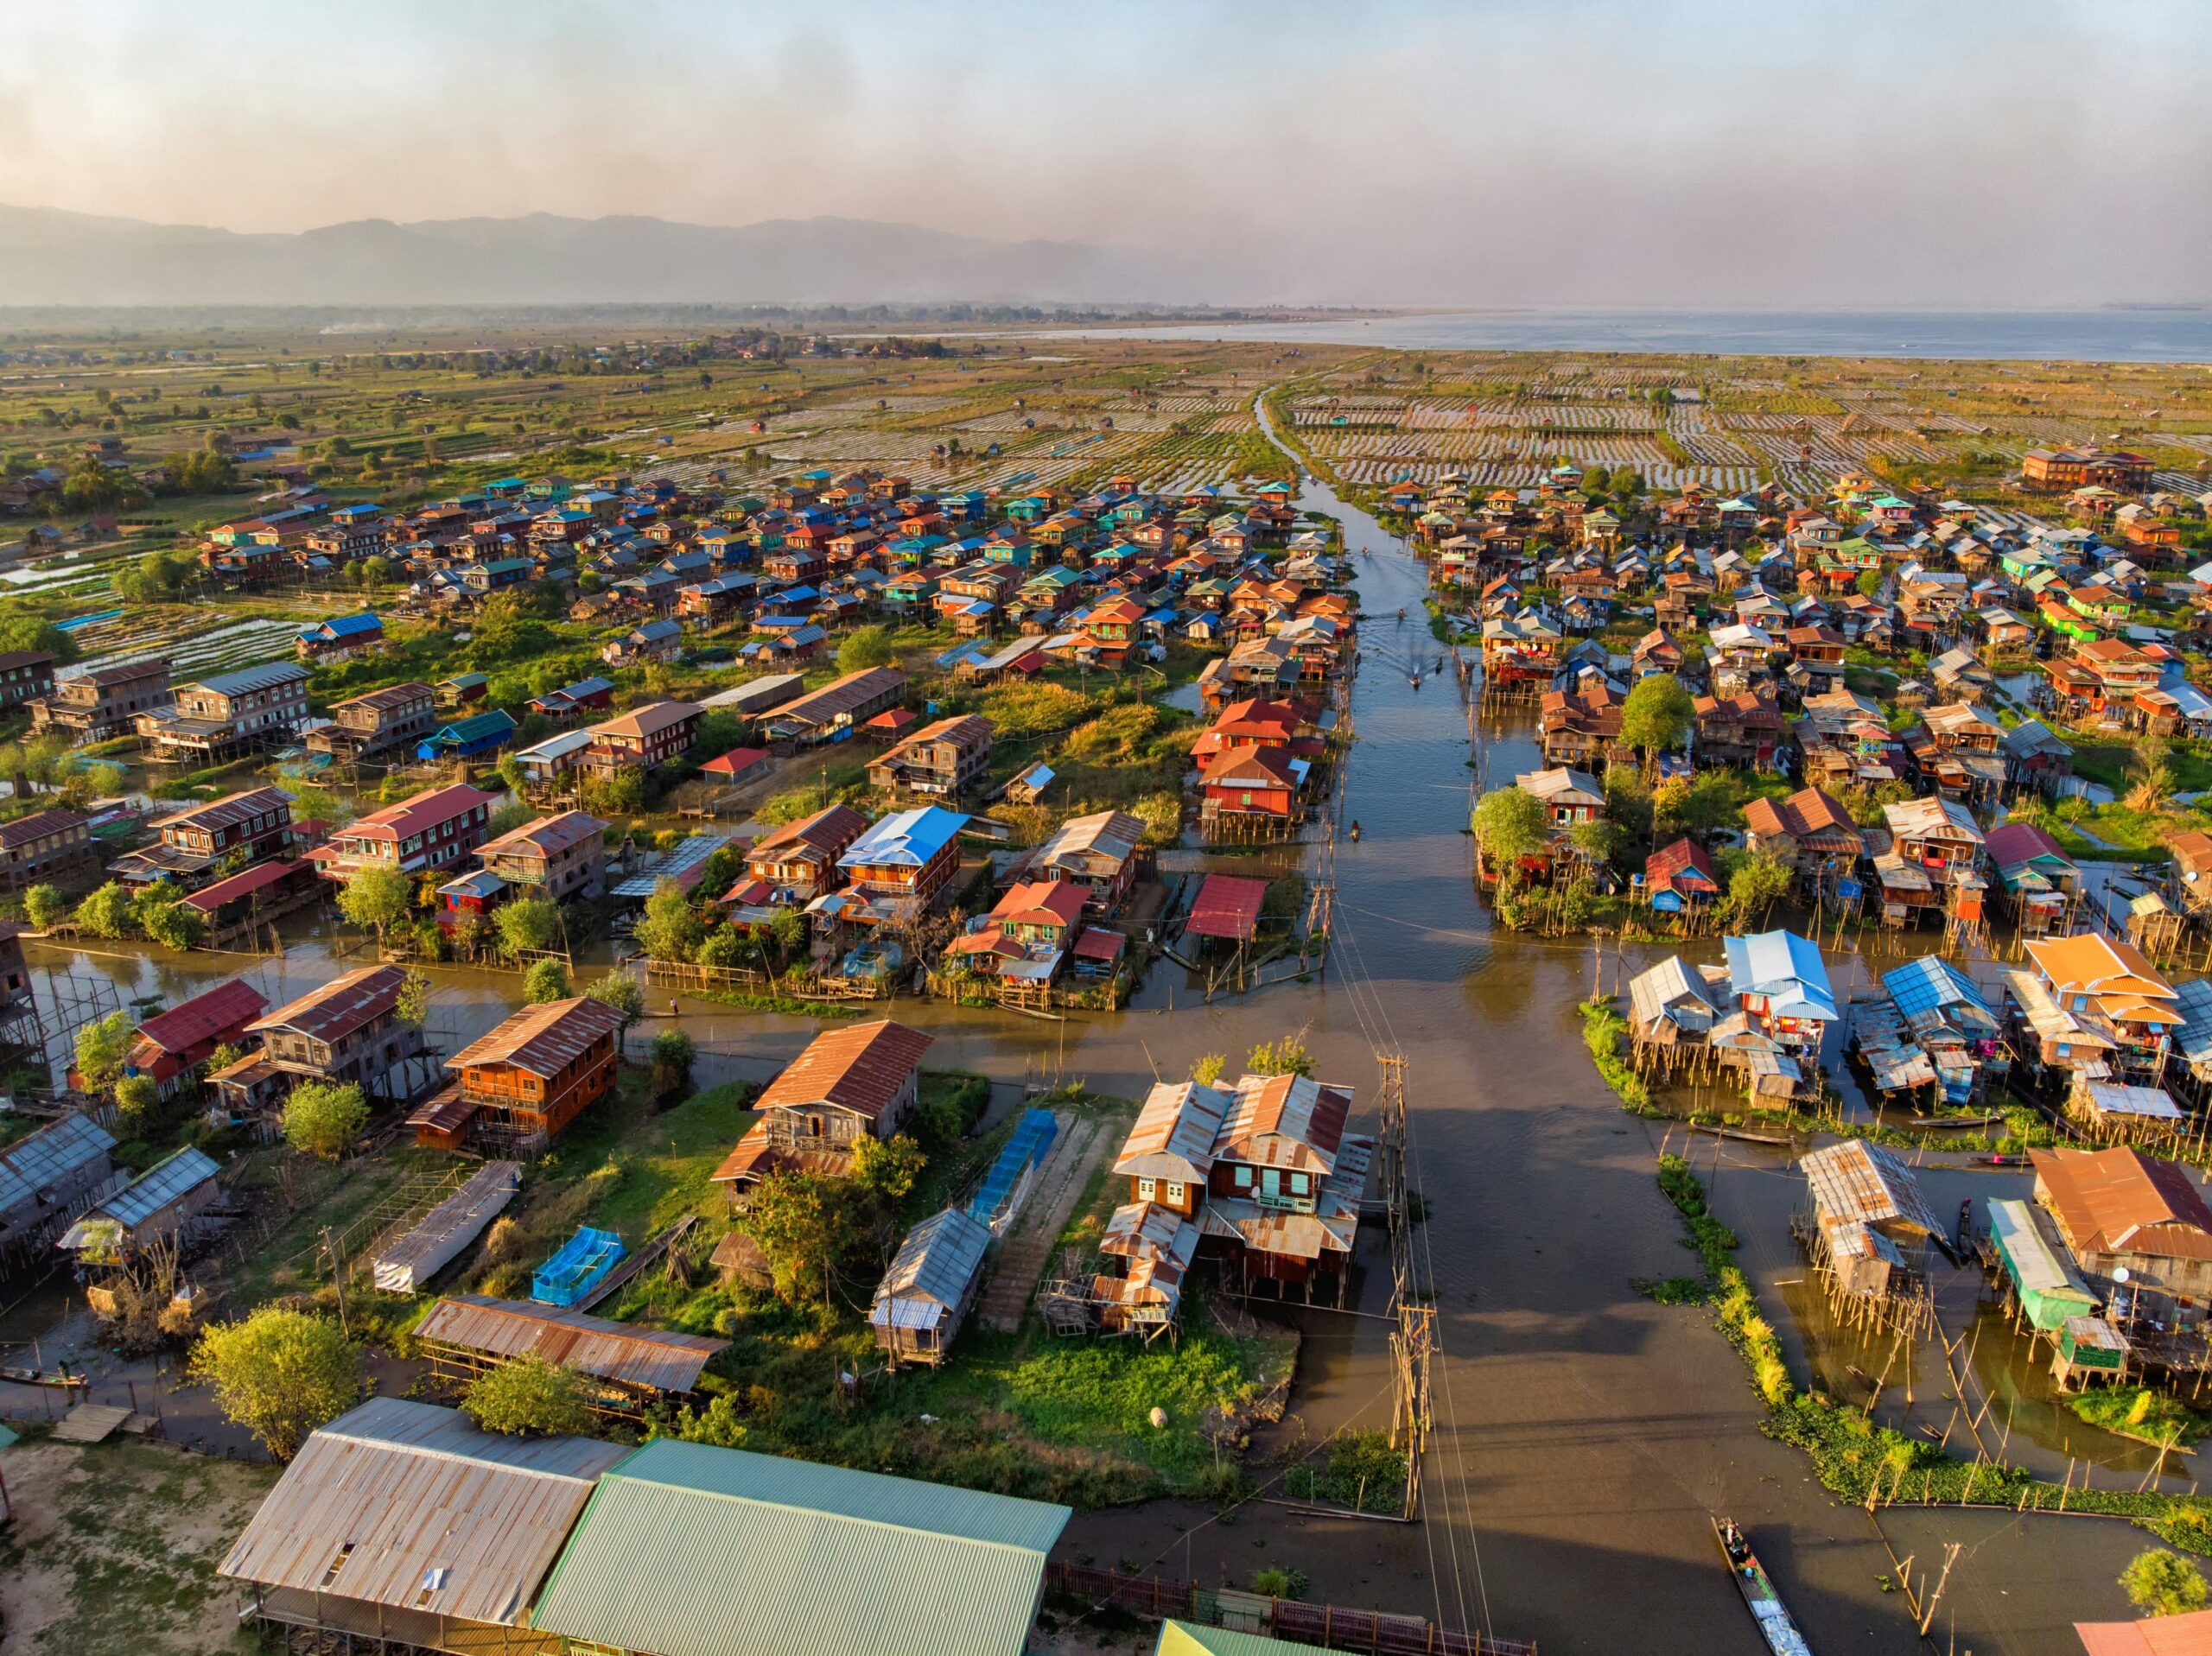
[
  {"x": 114, "y": 1548},
  {"x": 1060, "y": 1185}
]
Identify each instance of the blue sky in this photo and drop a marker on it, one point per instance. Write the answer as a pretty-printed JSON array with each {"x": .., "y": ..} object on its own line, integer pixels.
[{"x": 1797, "y": 152}]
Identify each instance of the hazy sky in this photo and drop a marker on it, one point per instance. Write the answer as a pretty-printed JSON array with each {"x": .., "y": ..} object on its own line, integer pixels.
[{"x": 1793, "y": 151}]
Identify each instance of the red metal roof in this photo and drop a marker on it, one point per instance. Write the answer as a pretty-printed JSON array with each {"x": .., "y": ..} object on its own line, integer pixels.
[
  {"x": 425, "y": 810},
  {"x": 221, "y": 1011},
  {"x": 736, "y": 762},
  {"x": 1228, "y": 906},
  {"x": 544, "y": 1039},
  {"x": 208, "y": 898},
  {"x": 340, "y": 1006}
]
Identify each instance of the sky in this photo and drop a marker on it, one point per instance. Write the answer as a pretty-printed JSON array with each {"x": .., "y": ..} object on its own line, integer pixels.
[{"x": 1561, "y": 152}]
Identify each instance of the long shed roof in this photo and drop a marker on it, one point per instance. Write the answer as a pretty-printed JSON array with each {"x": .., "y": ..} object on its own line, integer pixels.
[
  {"x": 590, "y": 1345},
  {"x": 395, "y": 1494},
  {"x": 687, "y": 1550}
]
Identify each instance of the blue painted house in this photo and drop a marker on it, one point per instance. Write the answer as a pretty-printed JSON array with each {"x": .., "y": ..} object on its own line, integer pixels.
[{"x": 469, "y": 738}]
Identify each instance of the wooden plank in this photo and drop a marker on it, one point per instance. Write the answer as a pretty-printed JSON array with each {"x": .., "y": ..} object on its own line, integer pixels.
[{"x": 89, "y": 1423}]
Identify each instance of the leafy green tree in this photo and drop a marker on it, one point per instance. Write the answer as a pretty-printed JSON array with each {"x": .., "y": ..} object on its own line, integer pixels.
[
  {"x": 1658, "y": 714},
  {"x": 725, "y": 946},
  {"x": 672, "y": 1054},
  {"x": 887, "y": 1168},
  {"x": 173, "y": 924},
  {"x": 866, "y": 647},
  {"x": 788, "y": 932},
  {"x": 103, "y": 1047},
  {"x": 323, "y": 1119},
  {"x": 413, "y": 1002},
  {"x": 669, "y": 931},
  {"x": 2159, "y": 1583},
  {"x": 1510, "y": 824},
  {"x": 528, "y": 922},
  {"x": 1599, "y": 841},
  {"x": 1756, "y": 880},
  {"x": 279, "y": 1374},
  {"x": 545, "y": 980},
  {"x": 22, "y": 631},
  {"x": 1868, "y": 582},
  {"x": 623, "y": 993},
  {"x": 1287, "y": 1056},
  {"x": 531, "y": 1396},
  {"x": 807, "y": 1229},
  {"x": 45, "y": 906},
  {"x": 378, "y": 897},
  {"x": 138, "y": 1101},
  {"x": 105, "y": 912},
  {"x": 1206, "y": 1070}
]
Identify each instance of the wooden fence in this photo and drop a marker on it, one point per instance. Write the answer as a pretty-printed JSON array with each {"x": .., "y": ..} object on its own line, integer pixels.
[{"x": 1327, "y": 1625}]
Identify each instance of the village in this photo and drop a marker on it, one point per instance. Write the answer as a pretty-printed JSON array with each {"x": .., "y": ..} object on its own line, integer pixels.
[{"x": 880, "y": 979}]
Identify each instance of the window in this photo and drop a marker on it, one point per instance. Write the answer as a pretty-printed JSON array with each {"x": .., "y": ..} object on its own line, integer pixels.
[
  {"x": 1145, "y": 1189},
  {"x": 1243, "y": 1179},
  {"x": 1175, "y": 1195}
]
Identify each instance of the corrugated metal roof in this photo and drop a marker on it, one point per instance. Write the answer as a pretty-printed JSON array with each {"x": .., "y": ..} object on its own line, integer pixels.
[
  {"x": 590, "y": 1345},
  {"x": 1227, "y": 906},
  {"x": 386, "y": 1496},
  {"x": 204, "y": 1016},
  {"x": 48, "y": 1156},
  {"x": 1858, "y": 1180},
  {"x": 264, "y": 677},
  {"x": 172, "y": 1177},
  {"x": 905, "y": 839},
  {"x": 1931, "y": 984},
  {"x": 543, "y": 1039},
  {"x": 337, "y": 1008},
  {"x": 2036, "y": 1261},
  {"x": 939, "y": 1259},
  {"x": 860, "y": 1068},
  {"x": 687, "y": 1550},
  {"x": 1174, "y": 1133},
  {"x": 1786, "y": 968},
  {"x": 1656, "y": 990},
  {"x": 449, "y": 1228}
]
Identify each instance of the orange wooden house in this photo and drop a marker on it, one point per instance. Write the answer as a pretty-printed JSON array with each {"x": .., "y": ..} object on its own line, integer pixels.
[{"x": 519, "y": 1086}]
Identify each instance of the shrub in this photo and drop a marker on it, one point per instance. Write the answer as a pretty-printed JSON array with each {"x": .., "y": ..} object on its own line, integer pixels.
[
  {"x": 545, "y": 980},
  {"x": 2159, "y": 1583},
  {"x": 280, "y": 1374},
  {"x": 531, "y": 1396},
  {"x": 322, "y": 1120}
]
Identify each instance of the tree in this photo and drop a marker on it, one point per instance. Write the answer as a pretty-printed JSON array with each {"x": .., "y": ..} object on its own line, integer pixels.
[
  {"x": 1206, "y": 1070},
  {"x": 324, "y": 1119},
  {"x": 45, "y": 906},
  {"x": 2159, "y": 1583},
  {"x": 22, "y": 631},
  {"x": 669, "y": 931},
  {"x": 107, "y": 913},
  {"x": 866, "y": 647},
  {"x": 1658, "y": 714},
  {"x": 378, "y": 897},
  {"x": 1868, "y": 582},
  {"x": 172, "y": 923},
  {"x": 620, "y": 991},
  {"x": 1288, "y": 1057},
  {"x": 887, "y": 1168},
  {"x": 103, "y": 1047},
  {"x": 1756, "y": 880},
  {"x": 672, "y": 1053},
  {"x": 545, "y": 980},
  {"x": 788, "y": 932},
  {"x": 806, "y": 1228},
  {"x": 1510, "y": 824},
  {"x": 725, "y": 946},
  {"x": 1596, "y": 841},
  {"x": 531, "y": 1396},
  {"x": 512, "y": 773},
  {"x": 280, "y": 1374},
  {"x": 529, "y": 922},
  {"x": 413, "y": 1002},
  {"x": 137, "y": 1100}
]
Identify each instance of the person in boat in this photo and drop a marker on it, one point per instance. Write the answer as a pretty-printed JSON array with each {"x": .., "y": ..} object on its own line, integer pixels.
[
  {"x": 1355, "y": 830},
  {"x": 1733, "y": 1541},
  {"x": 1402, "y": 614}
]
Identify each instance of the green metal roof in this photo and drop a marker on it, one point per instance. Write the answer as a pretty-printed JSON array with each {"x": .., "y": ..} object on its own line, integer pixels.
[
  {"x": 687, "y": 1550},
  {"x": 1185, "y": 1639}
]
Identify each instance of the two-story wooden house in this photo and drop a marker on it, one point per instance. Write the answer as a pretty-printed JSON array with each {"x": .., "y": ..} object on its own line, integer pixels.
[
  {"x": 644, "y": 738},
  {"x": 439, "y": 827},
  {"x": 558, "y": 857},
  {"x": 26, "y": 678},
  {"x": 104, "y": 702},
  {"x": 171, "y": 1046},
  {"x": 379, "y": 721},
  {"x": 44, "y": 846},
  {"x": 230, "y": 714},
  {"x": 518, "y": 1088},
  {"x": 798, "y": 861},
  {"x": 847, "y": 1085},
  {"x": 1099, "y": 853},
  {"x": 346, "y": 1031},
  {"x": 221, "y": 837},
  {"x": 946, "y": 759},
  {"x": 903, "y": 864}
]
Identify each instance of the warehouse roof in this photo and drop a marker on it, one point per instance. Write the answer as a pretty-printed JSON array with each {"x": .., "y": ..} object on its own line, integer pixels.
[
  {"x": 687, "y": 1550},
  {"x": 348, "y": 1516}
]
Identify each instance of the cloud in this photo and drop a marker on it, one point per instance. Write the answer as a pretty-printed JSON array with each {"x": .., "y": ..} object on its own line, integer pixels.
[{"x": 1579, "y": 152}]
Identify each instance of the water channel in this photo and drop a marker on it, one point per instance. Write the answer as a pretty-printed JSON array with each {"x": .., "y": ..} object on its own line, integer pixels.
[{"x": 1584, "y": 1433}]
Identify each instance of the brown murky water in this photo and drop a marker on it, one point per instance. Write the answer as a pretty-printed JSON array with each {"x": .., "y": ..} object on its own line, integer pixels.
[{"x": 1584, "y": 1434}]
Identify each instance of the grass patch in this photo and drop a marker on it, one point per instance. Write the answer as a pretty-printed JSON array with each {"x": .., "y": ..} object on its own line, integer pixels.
[
  {"x": 1358, "y": 1471},
  {"x": 2141, "y": 1413}
]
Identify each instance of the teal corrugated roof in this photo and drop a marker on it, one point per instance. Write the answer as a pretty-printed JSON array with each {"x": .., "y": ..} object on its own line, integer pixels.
[{"x": 687, "y": 1550}]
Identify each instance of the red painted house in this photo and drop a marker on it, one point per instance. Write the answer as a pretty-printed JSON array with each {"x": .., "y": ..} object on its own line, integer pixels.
[
  {"x": 1257, "y": 781},
  {"x": 173, "y": 1043}
]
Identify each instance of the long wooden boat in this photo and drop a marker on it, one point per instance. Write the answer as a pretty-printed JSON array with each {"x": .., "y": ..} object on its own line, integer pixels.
[{"x": 1759, "y": 1597}]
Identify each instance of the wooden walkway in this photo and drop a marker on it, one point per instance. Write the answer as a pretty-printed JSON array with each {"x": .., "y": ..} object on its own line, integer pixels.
[{"x": 1082, "y": 1145}]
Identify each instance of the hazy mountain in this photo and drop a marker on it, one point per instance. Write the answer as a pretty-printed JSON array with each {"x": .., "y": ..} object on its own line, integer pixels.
[{"x": 51, "y": 257}]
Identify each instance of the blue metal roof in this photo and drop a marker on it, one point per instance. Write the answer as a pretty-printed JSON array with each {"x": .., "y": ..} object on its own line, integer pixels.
[
  {"x": 1785, "y": 969},
  {"x": 159, "y": 1185},
  {"x": 906, "y": 839},
  {"x": 267, "y": 677},
  {"x": 1929, "y": 984}
]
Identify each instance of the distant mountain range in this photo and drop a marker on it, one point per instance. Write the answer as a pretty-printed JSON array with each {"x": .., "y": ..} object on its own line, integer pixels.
[{"x": 51, "y": 257}]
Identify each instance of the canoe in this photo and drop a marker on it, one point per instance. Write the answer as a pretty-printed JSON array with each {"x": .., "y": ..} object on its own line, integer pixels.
[{"x": 1759, "y": 1597}]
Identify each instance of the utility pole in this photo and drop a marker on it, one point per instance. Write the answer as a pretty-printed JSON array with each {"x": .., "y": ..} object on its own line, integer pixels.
[{"x": 337, "y": 1278}]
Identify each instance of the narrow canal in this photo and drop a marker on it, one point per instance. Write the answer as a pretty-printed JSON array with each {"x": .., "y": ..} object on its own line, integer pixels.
[{"x": 1584, "y": 1432}]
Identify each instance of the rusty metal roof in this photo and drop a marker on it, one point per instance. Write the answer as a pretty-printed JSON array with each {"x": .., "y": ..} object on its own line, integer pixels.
[
  {"x": 549, "y": 835},
  {"x": 406, "y": 1504},
  {"x": 859, "y": 1068},
  {"x": 2121, "y": 1200},
  {"x": 590, "y": 1345},
  {"x": 205, "y": 1017},
  {"x": 231, "y": 809},
  {"x": 1303, "y": 1116},
  {"x": 828, "y": 832},
  {"x": 338, "y": 1007},
  {"x": 543, "y": 1039},
  {"x": 1175, "y": 1133},
  {"x": 411, "y": 816},
  {"x": 648, "y": 720},
  {"x": 1861, "y": 1182}
]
